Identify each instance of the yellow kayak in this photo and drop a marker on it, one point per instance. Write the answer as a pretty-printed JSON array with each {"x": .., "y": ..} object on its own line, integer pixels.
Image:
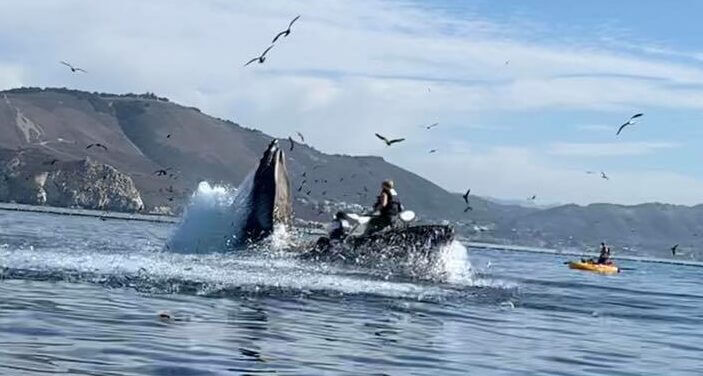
[{"x": 593, "y": 267}]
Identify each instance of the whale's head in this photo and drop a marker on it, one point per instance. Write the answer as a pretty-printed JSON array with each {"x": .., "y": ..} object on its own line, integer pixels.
[{"x": 271, "y": 202}]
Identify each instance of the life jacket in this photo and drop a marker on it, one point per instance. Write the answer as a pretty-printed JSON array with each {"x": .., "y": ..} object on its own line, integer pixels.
[{"x": 393, "y": 207}]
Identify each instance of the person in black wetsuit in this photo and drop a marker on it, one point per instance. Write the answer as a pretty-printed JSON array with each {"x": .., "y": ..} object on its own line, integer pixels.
[
  {"x": 387, "y": 207},
  {"x": 604, "y": 257},
  {"x": 340, "y": 226}
]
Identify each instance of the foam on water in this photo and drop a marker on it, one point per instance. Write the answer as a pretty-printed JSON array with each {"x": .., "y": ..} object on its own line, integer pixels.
[{"x": 213, "y": 273}]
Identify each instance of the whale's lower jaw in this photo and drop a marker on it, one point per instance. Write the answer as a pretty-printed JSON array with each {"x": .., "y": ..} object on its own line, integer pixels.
[
  {"x": 397, "y": 245},
  {"x": 270, "y": 201}
]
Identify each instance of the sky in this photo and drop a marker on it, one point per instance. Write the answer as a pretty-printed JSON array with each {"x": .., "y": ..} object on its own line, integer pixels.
[{"x": 528, "y": 94}]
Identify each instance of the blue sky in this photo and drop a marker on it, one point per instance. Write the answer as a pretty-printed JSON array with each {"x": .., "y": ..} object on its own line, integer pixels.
[{"x": 575, "y": 72}]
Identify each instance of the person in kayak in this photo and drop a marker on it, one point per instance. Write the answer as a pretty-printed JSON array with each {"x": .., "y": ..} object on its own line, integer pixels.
[
  {"x": 604, "y": 257},
  {"x": 340, "y": 226},
  {"x": 386, "y": 208}
]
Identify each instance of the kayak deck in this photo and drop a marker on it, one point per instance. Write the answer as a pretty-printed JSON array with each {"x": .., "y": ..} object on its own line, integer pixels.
[{"x": 593, "y": 267}]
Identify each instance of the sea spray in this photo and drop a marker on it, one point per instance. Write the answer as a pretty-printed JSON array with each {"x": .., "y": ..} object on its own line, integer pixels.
[
  {"x": 454, "y": 263},
  {"x": 213, "y": 220}
]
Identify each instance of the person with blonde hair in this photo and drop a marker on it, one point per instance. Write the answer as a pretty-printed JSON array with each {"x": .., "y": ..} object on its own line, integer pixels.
[{"x": 386, "y": 208}]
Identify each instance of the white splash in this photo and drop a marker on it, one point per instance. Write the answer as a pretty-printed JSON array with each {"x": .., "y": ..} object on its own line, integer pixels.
[
  {"x": 213, "y": 218},
  {"x": 454, "y": 263}
]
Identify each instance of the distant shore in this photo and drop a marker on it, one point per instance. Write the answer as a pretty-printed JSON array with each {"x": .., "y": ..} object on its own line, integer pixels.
[
  {"x": 89, "y": 213},
  {"x": 476, "y": 246},
  {"x": 517, "y": 248}
]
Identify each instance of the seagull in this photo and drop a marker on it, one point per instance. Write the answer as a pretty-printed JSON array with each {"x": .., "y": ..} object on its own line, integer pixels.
[
  {"x": 468, "y": 208},
  {"x": 428, "y": 127},
  {"x": 285, "y": 32},
  {"x": 507, "y": 62},
  {"x": 466, "y": 196},
  {"x": 162, "y": 172},
  {"x": 301, "y": 136},
  {"x": 604, "y": 176},
  {"x": 51, "y": 162},
  {"x": 532, "y": 198},
  {"x": 673, "y": 249},
  {"x": 97, "y": 145},
  {"x": 168, "y": 135},
  {"x": 261, "y": 58},
  {"x": 433, "y": 151},
  {"x": 629, "y": 122},
  {"x": 590, "y": 172},
  {"x": 291, "y": 142},
  {"x": 389, "y": 142},
  {"x": 73, "y": 69}
]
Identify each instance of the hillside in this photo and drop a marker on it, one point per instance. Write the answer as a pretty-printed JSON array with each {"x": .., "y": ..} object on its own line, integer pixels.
[
  {"x": 46, "y": 131},
  {"x": 144, "y": 133}
]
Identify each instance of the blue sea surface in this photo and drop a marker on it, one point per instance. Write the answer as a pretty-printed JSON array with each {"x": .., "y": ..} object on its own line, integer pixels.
[{"x": 84, "y": 296}]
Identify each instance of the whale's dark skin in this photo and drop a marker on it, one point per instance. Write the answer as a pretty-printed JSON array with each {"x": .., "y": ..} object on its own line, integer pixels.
[
  {"x": 399, "y": 244},
  {"x": 270, "y": 199}
]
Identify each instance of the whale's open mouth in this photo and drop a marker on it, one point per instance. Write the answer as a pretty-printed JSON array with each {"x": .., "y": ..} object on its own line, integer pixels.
[{"x": 270, "y": 199}]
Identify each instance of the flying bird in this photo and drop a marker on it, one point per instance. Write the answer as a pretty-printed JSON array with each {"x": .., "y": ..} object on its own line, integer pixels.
[
  {"x": 51, "y": 162},
  {"x": 604, "y": 176},
  {"x": 168, "y": 135},
  {"x": 389, "y": 142},
  {"x": 301, "y": 136},
  {"x": 73, "y": 69},
  {"x": 433, "y": 151},
  {"x": 291, "y": 142},
  {"x": 631, "y": 121},
  {"x": 673, "y": 249},
  {"x": 97, "y": 145},
  {"x": 161, "y": 172},
  {"x": 468, "y": 208},
  {"x": 590, "y": 172},
  {"x": 431, "y": 126},
  {"x": 532, "y": 198},
  {"x": 261, "y": 58},
  {"x": 285, "y": 32},
  {"x": 466, "y": 196}
]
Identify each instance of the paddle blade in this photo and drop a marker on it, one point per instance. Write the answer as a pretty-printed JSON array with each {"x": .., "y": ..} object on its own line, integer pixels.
[{"x": 407, "y": 215}]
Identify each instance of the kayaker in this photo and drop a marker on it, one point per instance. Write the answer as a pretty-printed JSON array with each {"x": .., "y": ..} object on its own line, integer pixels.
[
  {"x": 340, "y": 226},
  {"x": 387, "y": 206},
  {"x": 604, "y": 257}
]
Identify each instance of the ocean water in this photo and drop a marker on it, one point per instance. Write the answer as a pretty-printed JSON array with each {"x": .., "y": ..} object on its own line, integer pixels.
[{"x": 83, "y": 296}]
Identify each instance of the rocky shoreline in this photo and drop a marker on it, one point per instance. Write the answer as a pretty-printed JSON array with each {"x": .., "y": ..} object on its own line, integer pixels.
[{"x": 87, "y": 184}]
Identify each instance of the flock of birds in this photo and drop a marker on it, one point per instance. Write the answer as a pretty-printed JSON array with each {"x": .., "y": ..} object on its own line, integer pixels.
[{"x": 391, "y": 141}]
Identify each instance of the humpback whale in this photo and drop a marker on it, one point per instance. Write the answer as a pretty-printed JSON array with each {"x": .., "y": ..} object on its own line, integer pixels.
[
  {"x": 270, "y": 201},
  {"x": 219, "y": 218},
  {"x": 263, "y": 202}
]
